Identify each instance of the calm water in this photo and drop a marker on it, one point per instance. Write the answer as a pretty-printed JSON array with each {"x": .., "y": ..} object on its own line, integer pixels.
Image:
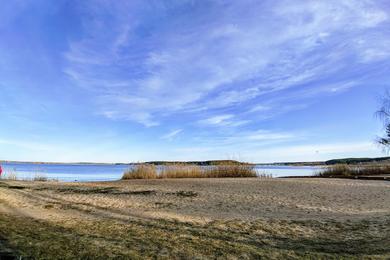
[{"x": 77, "y": 172}]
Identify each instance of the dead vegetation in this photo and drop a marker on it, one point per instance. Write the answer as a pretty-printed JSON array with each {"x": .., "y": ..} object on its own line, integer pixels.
[
  {"x": 107, "y": 239},
  {"x": 142, "y": 171},
  {"x": 146, "y": 171},
  {"x": 347, "y": 170}
]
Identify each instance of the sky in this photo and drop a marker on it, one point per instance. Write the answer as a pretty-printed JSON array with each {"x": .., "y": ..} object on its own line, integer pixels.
[{"x": 129, "y": 81}]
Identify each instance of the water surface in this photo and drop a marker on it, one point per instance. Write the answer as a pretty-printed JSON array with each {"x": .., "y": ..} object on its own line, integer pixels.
[{"x": 109, "y": 172}]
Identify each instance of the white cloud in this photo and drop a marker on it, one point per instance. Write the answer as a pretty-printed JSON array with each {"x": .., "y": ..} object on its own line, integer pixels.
[
  {"x": 216, "y": 120},
  {"x": 222, "y": 120},
  {"x": 263, "y": 135}
]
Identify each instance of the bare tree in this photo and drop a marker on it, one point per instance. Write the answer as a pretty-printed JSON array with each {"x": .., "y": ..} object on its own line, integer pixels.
[{"x": 384, "y": 114}]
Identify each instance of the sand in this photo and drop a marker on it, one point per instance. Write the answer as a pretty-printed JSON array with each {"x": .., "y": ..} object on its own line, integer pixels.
[{"x": 202, "y": 202}]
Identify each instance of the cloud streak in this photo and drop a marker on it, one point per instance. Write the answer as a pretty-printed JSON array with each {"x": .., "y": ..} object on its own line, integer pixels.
[
  {"x": 202, "y": 56},
  {"x": 224, "y": 76},
  {"x": 171, "y": 135}
]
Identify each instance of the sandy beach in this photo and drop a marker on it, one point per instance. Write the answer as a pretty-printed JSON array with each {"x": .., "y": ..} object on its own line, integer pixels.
[{"x": 197, "y": 218}]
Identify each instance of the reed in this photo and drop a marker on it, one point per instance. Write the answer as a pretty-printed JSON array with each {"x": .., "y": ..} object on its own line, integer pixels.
[
  {"x": 147, "y": 171},
  {"x": 231, "y": 171},
  {"x": 141, "y": 171},
  {"x": 344, "y": 170},
  {"x": 182, "y": 171}
]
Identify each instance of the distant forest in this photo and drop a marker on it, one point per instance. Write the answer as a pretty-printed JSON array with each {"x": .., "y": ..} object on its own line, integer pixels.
[
  {"x": 337, "y": 161},
  {"x": 230, "y": 162},
  {"x": 200, "y": 163},
  {"x": 357, "y": 160}
]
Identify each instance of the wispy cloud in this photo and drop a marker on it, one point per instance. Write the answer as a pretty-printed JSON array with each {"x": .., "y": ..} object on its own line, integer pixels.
[
  {"x": 171, "y": 135},
  {"x": 263, "y": 135},
  {"x": 217, "y": 77},
  {"x": 222, "y": 120},
  {"x": 201, "y": 60}
]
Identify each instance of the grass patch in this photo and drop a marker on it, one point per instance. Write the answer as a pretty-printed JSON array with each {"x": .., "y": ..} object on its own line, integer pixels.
[
  {"x": 345, "y": 170},
  {"x": 108, "y": 239},
  {"x": 85, "y": 190},
  {"x": 183, "y": 193},
  {"x": 100, "y": 190}
]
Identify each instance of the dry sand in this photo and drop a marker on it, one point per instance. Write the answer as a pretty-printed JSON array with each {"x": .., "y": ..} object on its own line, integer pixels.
[{"x": 202, "y": 202}]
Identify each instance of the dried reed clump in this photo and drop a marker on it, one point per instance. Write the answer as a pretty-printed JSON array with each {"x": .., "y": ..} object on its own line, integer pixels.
[
  {"x": 231, "y": 171},
  {"x": 182, "y": 171},
  {"x": 344, "y": 170},
  {"x": 145, "y": 171},
  {"x": 141, "y": 171}
]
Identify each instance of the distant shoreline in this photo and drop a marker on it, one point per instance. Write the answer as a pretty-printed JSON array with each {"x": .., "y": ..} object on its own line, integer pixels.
[
  {"x": 63, "y": 163},
  {"x": 216, "y": 162}
]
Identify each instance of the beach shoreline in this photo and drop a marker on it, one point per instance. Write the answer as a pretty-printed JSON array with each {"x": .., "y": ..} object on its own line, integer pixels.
[{"x": 231, "y": 217}]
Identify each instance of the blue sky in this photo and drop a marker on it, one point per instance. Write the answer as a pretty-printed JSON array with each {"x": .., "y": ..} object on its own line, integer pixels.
[{"x": 260, "y": 81}]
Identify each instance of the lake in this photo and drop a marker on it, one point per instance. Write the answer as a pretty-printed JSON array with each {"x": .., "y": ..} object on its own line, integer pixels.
[{"x": 109, "y": 172}]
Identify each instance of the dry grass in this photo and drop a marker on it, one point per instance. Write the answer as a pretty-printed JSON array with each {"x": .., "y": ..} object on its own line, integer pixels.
[
  {"x": 13, "y": 176},
  {"x": 40, "y": 177},
  {"x": 141, "y": 171},
  {"x": 146, "y": 171},
  {"x": 344, "y": 170},
  {"x": 10, "y": 176},
  {"x": 160, "y": 239}
]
